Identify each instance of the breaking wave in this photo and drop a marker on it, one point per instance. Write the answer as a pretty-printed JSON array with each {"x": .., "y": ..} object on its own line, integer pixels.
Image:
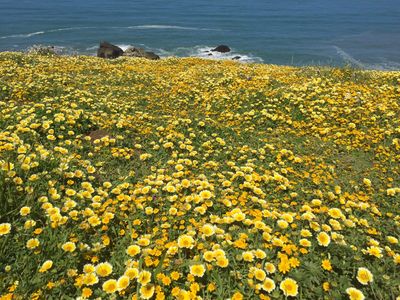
[{"x": 205, "y": 52}]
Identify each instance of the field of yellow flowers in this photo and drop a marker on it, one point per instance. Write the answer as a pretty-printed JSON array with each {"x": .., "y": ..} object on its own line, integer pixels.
[{"x": 197, "y": 179}]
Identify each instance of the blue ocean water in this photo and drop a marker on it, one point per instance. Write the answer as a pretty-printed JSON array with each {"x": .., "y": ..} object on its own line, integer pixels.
[{"x": 364, "y": 33}]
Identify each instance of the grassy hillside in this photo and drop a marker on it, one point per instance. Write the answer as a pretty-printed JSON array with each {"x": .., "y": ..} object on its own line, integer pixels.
[{"x": 186, "y": 178}]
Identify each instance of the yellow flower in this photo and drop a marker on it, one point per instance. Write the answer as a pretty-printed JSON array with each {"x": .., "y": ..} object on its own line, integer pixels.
[
  {"x": 268, "y": 285},
  {"x": 166, "y": 280},
  {"x": 132, "y": 273},
  {"x": 392, "y": 239},
  {"x": 396, "y": 259},
  {"x": 171, "y": 189},
  {"x": 144, "y": 277},
  {"x": 24, "y": 211},
  {"x": 70, "y": 192},
  {"x": 110, "y": 286},
  {"x": 211, "y": 287},
  {"x": 5, "y": 228},
  {"x": 175, "y": 275},
  {"x": 326, "y": 265},
  {"x": 222, "y": 262},
  {"x": 185, "y": 241},
  {"x": 364, "y": 276},
  {"x": 248, "y": 256},
  {"x": 282, "y": 224},
  {"x": 367, "y": 182},
  {"x": 305, "y": 233},
  {"x": 94, "y": 221},
  {"x": 323, "y": 239},
  {"x": 104, "y": 269},
  {"x": 32, "y": 243},
  {"x": 89, "y": 268},
  {"x": 208, "y": 256},
  {"x": 305, "y": 243},
  {"x": 143, "y": 241},
  {"x": 355, "y": 294},
  {"x": 69, "y": 247},
  {"x": 46, "y": 266},
  {"x": 284, "y": 264},
  {"x": 289, "y": 287},
  {"x": 335, "y": 213},
  {"x": 133, "y": 250},
  {"x": 374, "y": 251},
  {"x": 185, "y": 183},
  {"x": 260, "y": 254},
  {"x": 219, "y": 253},
  {"x": 123, "y": 282},
  {"x": 259, "y": 274},
  {"x": 147, "y": 291},
  {"x": 90, "y": 279},
  {"x": 205, "y": 194},
  {"x": 86, "y": 292},
  {"x": 237, "y": 296},
  {"x": 208, "y": 230},
  {"x": 197, "y": 270},
  {"x": 270, "y": 268}
]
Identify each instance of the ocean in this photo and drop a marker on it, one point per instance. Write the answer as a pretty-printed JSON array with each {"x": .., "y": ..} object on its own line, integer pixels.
[{"x": 362, "y": 33}]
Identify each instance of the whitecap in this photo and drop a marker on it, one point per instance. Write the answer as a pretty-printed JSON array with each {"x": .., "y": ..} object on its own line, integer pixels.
[
  {"x": 69, "y": 29},
  {"x": 92, "y": 48},
  {"x": 22, "y": 35},
  {"x": 27, "y": 35}
]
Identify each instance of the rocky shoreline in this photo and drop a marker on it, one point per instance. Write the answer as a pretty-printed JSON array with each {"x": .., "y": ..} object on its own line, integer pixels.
[{"x": 110, "y": 51}]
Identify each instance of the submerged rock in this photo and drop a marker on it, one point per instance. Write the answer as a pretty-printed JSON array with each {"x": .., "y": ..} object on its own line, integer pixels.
[
  {"x": 222, "y": 49},
  {"x": 236, "y": 58},
  {"x": 107, "y": 50},
  {"x": 140, "y": 52}
]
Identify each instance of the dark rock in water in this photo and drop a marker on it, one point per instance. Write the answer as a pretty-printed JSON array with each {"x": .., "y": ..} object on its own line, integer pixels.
[
  {"x": 222, "y": 49},
  {"x": 209, "y": 54},
  {"x": 108, "y": 50},
  {"x": 236, "y": 58},
  {"x": 151, "y": 55},
  {"x": 140, "y": 52},
  {"x": 42, "y": 50}
]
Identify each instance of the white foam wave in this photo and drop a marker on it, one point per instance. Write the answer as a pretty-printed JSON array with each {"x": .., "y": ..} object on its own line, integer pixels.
[
  {"x": 22, "y": 35},
  {"x": 205, "y": 52},
  {"x": 384, "y": 65},
  {"x": 155, "y": 26},
  {"x": 348, "y": 58},
  {"x": 27, "y": 35},
  {"x": 68, "y": 29},
  {"x": 123, "y": 46}
]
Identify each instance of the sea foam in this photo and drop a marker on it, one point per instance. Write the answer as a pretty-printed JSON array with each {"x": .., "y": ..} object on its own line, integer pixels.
[{"x": 205, "y": 51}]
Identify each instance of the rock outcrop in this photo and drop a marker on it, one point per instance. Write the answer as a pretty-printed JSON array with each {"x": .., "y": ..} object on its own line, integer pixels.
[
  {"x": 222, "y": 49},
  {"x": 107, "y": 50},
  {"x": 140, "y": 52}
]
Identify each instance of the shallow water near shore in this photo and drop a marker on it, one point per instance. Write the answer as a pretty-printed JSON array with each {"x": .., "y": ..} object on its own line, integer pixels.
[{"x": 364, "y": 34}]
